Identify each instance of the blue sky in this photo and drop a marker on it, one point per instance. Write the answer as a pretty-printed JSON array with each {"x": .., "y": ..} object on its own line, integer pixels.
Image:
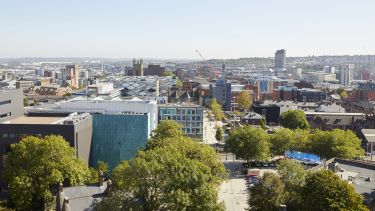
[{"x": 175, "y": 28}]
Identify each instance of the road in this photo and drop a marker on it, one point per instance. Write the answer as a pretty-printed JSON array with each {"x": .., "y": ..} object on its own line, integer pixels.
[
  {"x": 209, "y": 130},
  {"x": 233, "y": 191}
]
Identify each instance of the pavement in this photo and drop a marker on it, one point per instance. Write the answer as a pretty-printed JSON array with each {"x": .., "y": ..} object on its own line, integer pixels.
[
  {"x": 233, "y": 192},
  {"x": 359, "y": 178},
  {"x": 209, "y": 130}
]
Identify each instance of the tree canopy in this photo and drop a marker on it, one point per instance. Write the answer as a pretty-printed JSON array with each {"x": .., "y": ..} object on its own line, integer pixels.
[
  {"x": 36, "y": 164},
  {"x": 268, "y": 194},
  {"x": 335, "y": 143},
  {"x": 244, "y": 100},
  {"x": 216, "y": 108},
  {"x": 342, "y": 92},
  {"x": 248, "y": 143},
  {"x": 165, "y": 129},
  {"x": 294, "y": 119},
  {"x": 326, "y": 191},
  {"x": 177, "y": 173},
  {"x": 219, "y": 134},
  {"x": 281, "y": 141}
]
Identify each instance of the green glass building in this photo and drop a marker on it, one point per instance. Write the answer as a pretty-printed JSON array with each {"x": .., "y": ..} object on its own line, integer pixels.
[{"x": 117, "y": 137}]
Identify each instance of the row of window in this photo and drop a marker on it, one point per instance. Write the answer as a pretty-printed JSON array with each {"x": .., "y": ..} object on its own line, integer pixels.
[
  {"x": 180, "y": 111},
  {"x": 18, "y": 136},
  {"x": 178, "y": 117},
  {"x": 192, "y": 131}
]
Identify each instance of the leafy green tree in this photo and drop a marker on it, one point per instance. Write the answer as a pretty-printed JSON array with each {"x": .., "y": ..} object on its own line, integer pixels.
[
  {"x": 219, "y": 134},
  {"x": 294, "y": 119},
  {"x": 268, "y": 194},
  {"x": 163, "y": 178},
  {"x": 342, "y": 92},
  {"x": 281, "y": 141},
  {"x": 263, "y": 124},
  {"x": 179, "y": 84},
  {"x": 25, "y": 101},
  {"x": 326, "y": 191},
  {"x": 35, "y": 164},
  {"x": 336, "y": 143},
  {"x": 118, "y": 174},
  {"x": 102, "y": 167},
  {"x": 165, "y": 129},
  {"x": 216, "y": 108},
  {"x": 244, "y": 100},
  {"x": 248, "y": 143},
  {"x": 301, "y": 140},
  {"x": 291, "y": 172},
  {"x": 293, "y": 175},
  {"x": 168, "y": 73}
]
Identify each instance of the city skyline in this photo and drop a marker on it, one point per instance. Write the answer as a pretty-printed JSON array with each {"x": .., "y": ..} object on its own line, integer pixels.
[{"x": 173, "y": 30}]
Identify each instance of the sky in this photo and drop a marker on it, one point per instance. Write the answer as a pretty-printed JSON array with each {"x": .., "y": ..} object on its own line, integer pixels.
[{"x": 173, "y": 29}]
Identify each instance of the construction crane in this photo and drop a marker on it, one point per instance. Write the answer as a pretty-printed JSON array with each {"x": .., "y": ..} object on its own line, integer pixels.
[
  {"x": 202, "y": 57},
  {"x": 207, "y": 64}
]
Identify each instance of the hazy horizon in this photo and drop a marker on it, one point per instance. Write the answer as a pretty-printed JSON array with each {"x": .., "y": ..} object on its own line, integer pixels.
[{"x": 173, "y": 30}]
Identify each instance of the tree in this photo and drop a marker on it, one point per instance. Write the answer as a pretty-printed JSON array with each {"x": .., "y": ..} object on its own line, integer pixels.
[
  {"x": 248, "y": 143},
  {"x": 219, "y": 134},
  {"x": 36, "y": 164},
  {"x": 25, "y": 101},
  {"x": 102, "y": 167},
  {"x": 179, "y": 83},
  {"x": 165, "y": 129},
  {"x": 326, "y": 191},
  {"x": 163, "y": 178},
  {"x": 267, "y": 194},
  {"x": 301, "y": 140},
  {"x": 291, "y": 172},
  {"x": 168, "y": 73},
  {"x": 281, "y": 141},
  {"x": 294, "y": 119},
  {"x": 263, "y": 124},
  {"x": 336, "y": 143},
  {"x": 342, "y": 92},
  {"x": 216, "y": 109},
  {"x": 244, "y": 100},
  {"x": 293, "y": 175},
  {"x": 118, "y": 175}
]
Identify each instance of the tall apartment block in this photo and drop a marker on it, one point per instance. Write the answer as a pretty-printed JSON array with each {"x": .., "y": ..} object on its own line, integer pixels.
[
  {"x": 69, "y": 75},
  {"x": 345, "y": 75},
  {"x": 280, "y": 58}
]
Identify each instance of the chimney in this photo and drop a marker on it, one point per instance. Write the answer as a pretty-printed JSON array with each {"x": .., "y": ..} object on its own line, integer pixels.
[
  {"x": 61, "y": 187},
  {"x": 101, "y": 178}
]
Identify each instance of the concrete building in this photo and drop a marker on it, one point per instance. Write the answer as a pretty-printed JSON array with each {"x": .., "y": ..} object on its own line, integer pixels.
[
  {"x": 345, "y": 75},
  {"x": 154, "y": 69},
  {"x": 75, "y": 129},
  {"x": 24, "y": 84},
  {"x": 330, "y": 121},
  {"x": 11, "y": 104},
  {"x": 70, "y": 75},
  {"x": 103, "y": 90},
  {"x": 310, "y": 95},
  {"x": 280, "y": 59},
  {"x": 222, "y": 92},
  {"x": 100, "y": 106},
  {"x": 138, "y": 67},
  {"x": 190, "y": 116}
]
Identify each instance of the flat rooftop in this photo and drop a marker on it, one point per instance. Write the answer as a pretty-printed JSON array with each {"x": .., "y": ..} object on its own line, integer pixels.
[{"x": 34, "y": 120}]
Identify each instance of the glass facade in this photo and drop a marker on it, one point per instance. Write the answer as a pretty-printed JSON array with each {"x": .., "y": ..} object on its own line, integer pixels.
[
  {"x": 117, "y": 137},
  {"x": 190, "y": 117}
]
